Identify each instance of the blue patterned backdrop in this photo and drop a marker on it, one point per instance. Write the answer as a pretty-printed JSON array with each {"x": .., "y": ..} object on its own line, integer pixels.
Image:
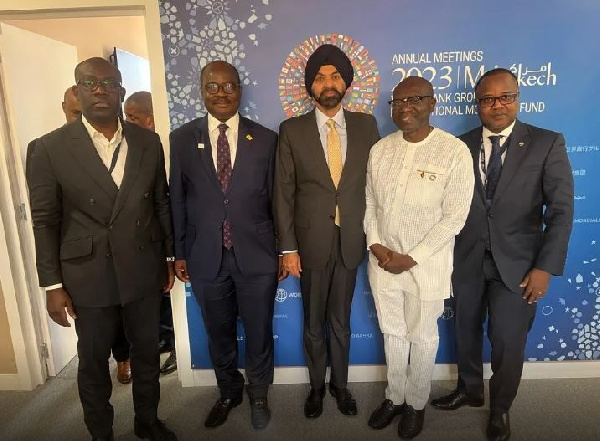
[{"x": 552, "y": 47}]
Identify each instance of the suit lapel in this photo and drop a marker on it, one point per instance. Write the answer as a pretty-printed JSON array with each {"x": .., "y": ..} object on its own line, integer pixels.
[
  {"x": 82, "y": 148},
  {"x": 203, "y": 137},
  {"x": 474, "y": 144},
  {"x": 135, "y": 152},
  {"x": 517, "y": 149},
  {"x": 350, "y": 149},
  {"x": 244, "y": 144}
]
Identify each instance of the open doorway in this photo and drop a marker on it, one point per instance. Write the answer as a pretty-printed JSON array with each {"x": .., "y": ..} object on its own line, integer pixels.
[{"x": 37, "y": 67}]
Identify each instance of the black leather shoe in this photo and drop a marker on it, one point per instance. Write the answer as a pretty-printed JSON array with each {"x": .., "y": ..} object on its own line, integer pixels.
[
  {"x": 498, "y": 428},
  {"x": 456, "y": 400},
  {"x": 411, "y": 423},
  {"x": 156, "y": 431},
  {"x": 109, "y": 437},
  {"x": 313, "y": 406},
  {"x": 345, "y": 403},
  {"x": 384, "y": 414},
  {"x": 164, "y": 346},
  {"x": 260, "y": 413},
  {"x": 170, "y": 364},
  {"x": 218, "y": 414}
]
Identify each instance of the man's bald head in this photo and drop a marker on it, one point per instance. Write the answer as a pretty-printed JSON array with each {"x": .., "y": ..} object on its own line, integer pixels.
[
  {"x": 96, "y": 62},
  {"x": 416, "y": 82},
  {"x": 70, "y": 105},
  {"x": 138, "y": 110}
]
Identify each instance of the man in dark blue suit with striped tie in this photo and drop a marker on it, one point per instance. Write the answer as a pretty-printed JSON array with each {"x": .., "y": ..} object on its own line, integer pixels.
[
  {"x": 221, "y": 191},
  {"x": 515, "y": 238}
]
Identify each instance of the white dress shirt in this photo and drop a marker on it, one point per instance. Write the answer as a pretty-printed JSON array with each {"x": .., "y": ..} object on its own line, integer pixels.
[
  {"x": 106, "y": 149},
  {"x": 487, "y": 147},
  {"x": 340, "y": 126},
  {"x": 233, "y": 124},
  {"x": 418, "y": 197}
]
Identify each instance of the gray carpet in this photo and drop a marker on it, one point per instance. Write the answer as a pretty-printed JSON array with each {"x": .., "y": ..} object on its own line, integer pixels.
[{"x": 544, "y": 410}]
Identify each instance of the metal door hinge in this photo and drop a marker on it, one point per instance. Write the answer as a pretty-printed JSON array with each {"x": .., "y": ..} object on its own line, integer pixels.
[
  {"x": 23, "y": 211},
  {"x": 44, "y": 350}
]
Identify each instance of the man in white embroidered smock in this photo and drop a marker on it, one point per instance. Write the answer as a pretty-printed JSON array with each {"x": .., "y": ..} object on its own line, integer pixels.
[{"x": 419, "y": 191}]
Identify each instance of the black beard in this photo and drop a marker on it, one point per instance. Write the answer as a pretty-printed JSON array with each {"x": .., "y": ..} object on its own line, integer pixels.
[{"x": 329, "y": 102}]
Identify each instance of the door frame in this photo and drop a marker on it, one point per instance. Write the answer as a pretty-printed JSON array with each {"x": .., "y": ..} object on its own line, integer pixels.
[{"x": 29, "y": 327}]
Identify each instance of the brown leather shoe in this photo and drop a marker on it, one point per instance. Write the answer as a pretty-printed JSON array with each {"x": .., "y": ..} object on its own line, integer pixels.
[{"x": 124, "y": 372}]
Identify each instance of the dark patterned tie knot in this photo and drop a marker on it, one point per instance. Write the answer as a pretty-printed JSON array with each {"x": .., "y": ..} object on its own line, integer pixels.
[{"x": 222, "y": 129}]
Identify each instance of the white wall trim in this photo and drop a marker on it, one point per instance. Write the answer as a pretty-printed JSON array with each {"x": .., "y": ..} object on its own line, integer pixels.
[
  {"x": 368, "y": 373},
  {"x": 9, "y": 382}
]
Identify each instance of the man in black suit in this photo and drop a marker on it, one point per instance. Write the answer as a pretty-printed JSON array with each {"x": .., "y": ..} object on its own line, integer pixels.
[
  {"x": 138, "y": 110},
  {"x": 101, "y": 218},
  {"x": 319, "y": 206},
  {"x": 222, "y": 168},
  {"x": 514, "y": 240}
]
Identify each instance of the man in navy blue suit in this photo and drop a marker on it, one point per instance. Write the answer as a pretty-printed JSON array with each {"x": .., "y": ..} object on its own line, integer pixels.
[{"x": 221, "y": 190}]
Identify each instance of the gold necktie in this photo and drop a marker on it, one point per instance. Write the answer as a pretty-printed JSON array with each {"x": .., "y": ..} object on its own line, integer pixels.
[{"x": 334, "y": 156}]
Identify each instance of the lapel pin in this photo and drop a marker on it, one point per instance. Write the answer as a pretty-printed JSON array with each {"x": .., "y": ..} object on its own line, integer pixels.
[
  {"x": 521, "y": 144},
  {"x": 200, "y": 145},
  {"x": 249, "y": 137}
]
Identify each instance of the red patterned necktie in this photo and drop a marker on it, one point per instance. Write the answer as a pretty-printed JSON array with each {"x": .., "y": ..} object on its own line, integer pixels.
[{"x": 224, "y": 176}]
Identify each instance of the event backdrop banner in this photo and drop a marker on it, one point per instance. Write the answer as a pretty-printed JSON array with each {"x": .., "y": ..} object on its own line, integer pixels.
[{"x": 552, "y": 47}]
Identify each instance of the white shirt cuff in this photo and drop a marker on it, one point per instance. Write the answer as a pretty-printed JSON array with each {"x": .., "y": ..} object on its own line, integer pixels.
[{"x": 49, "y": 288}]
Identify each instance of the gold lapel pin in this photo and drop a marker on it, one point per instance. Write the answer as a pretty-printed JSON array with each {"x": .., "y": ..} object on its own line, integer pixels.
[
  {"x": 249, "y": 137},
  {"x": 521, "y": 144}
]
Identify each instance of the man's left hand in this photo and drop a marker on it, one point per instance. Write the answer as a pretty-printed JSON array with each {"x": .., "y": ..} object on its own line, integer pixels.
[
  {"x": 536, "y": 284},
  {"x": 399, "y": 263},
  {"x": 282, "y": 274},
  {"x": 170, "y": 277}
]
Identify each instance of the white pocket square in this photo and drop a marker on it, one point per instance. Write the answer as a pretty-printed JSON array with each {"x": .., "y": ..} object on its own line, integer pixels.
[{"x": 200, "y": 145}]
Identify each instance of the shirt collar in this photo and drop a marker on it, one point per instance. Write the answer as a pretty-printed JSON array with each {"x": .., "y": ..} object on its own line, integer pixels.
[
  {"x": 504, "y": 133},
  {"x": 322, "y": 119},
  {"x": 232, "y": 123},
  {"x": 118, "y": 136}
]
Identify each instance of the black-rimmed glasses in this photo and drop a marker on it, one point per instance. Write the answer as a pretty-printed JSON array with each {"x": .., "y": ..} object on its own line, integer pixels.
[
  {"x": 490, "y": 101},
  {"x": 91, "y": 84}
]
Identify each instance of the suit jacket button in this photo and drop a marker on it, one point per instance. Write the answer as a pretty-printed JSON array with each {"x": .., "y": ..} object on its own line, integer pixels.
[
  {"x": 142, "y": 248},
  {"x": 92, "y": 202},
  {"x": 490, "y": 215},
  {"x": 332, "y": 217},
  {"x": 226, "y": 201},
  {"x": 110, "y": 227},
  {"x": 146, "y": 195},
  {"x": 137, "y": 222},
  {"x": 108, "y": 256}
]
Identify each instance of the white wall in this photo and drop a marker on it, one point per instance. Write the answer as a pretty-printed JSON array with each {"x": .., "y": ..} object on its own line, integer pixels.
[{"x": 93, "y": 36}]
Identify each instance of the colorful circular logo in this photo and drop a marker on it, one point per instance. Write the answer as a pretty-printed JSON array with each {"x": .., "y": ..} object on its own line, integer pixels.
[{"x": 362, "y": 95}]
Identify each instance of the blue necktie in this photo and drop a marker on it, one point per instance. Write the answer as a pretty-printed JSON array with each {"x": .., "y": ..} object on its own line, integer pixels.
[{"x": 494, "y": 168}]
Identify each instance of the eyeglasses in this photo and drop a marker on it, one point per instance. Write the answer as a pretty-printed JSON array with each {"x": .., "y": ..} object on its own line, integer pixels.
[
  {"x": 490, "y": 101},
  {"x": 109, "y": 84},
  {"x": 410, "y": 100},
  {"x": 228, "y": 87}
]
